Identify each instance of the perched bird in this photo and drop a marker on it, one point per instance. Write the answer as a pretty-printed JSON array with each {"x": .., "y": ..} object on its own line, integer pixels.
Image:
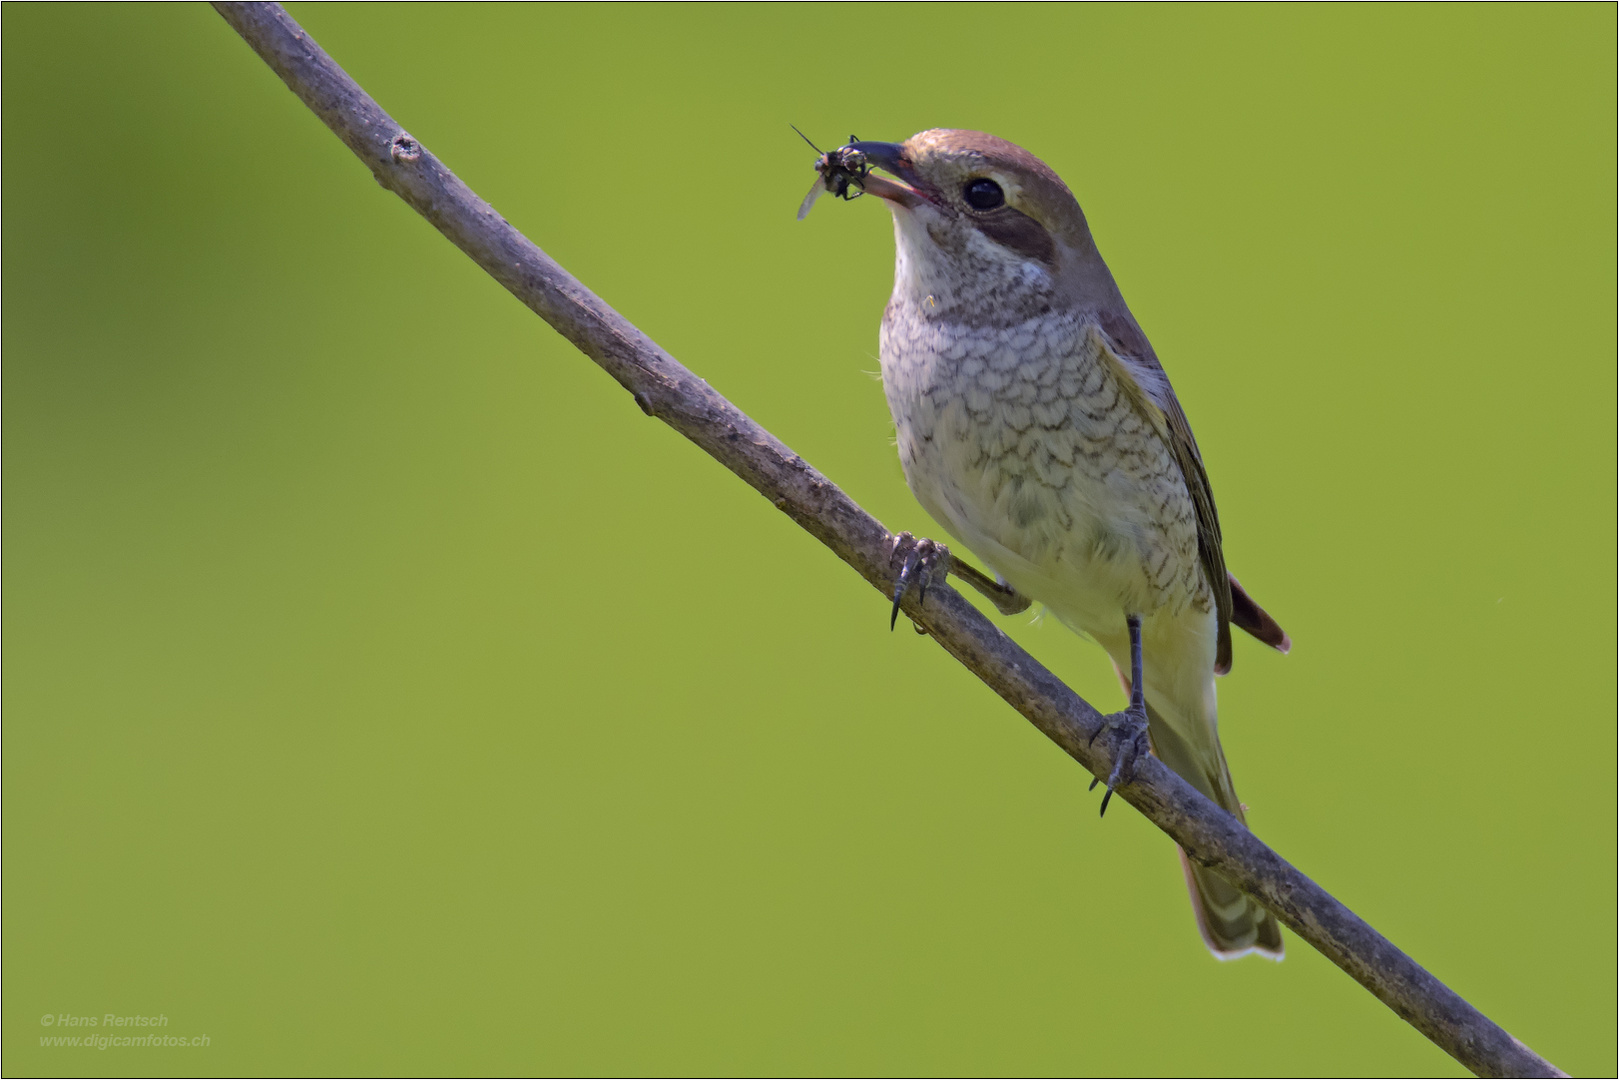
[{"x": 1036, "y": 425}]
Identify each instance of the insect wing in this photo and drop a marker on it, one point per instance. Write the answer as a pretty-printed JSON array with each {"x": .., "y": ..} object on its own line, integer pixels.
[{"x": 809, "y": 200}]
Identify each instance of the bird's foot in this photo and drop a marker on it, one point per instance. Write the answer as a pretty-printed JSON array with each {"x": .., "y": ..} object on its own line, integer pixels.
[
  {"x": 1126, "y": 736},
  {"x": 921, "y": 562}
]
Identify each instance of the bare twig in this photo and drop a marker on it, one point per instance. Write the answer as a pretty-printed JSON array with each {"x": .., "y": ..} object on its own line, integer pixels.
[{"x": 666, "y": 390}]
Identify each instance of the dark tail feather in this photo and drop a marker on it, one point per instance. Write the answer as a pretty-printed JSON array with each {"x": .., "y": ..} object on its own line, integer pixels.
[{"x": 1249, "y": 616}]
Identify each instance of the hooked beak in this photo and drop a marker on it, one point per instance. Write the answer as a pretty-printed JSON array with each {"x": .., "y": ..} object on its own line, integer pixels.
[{"x": 890, "y": 157}]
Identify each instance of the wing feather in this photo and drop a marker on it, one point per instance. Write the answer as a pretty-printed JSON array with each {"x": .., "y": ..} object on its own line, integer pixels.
[
  {"x": 1134, "y": 354},
  {"x": 1249, "y": 616}
]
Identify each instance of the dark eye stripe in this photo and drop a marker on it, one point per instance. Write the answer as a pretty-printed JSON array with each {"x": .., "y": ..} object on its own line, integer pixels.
[{"x": 1020, "y": 233}]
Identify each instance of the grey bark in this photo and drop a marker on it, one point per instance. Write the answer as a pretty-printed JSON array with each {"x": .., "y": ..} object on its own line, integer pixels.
[{"x": 663, "y": 388}]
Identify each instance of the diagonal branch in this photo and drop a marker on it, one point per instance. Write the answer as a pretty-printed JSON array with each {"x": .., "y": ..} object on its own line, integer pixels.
[{"x": 668, "y": 391}]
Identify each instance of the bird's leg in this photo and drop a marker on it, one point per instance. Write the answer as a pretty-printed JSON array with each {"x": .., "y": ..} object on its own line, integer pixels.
[
  {"x": 1007, "y": 600},
  {"x": 921, "y": 562},
  {"x": 1126, "y": 730}
]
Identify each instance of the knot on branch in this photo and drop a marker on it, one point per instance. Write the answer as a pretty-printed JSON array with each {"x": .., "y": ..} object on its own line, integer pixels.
[{"x": 404, "y": 149}]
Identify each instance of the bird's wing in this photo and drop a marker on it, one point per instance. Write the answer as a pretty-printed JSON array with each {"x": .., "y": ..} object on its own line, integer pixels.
[
  {"x": 1249, "y": 616},
  {"x": 1132, "y": 353}
]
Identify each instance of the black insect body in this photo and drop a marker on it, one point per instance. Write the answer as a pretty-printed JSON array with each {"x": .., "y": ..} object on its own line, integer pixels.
[{"x": 836, "y": 172}]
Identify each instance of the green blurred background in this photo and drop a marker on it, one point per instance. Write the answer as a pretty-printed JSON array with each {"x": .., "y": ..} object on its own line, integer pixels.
[{"x": 385, "y": 693}]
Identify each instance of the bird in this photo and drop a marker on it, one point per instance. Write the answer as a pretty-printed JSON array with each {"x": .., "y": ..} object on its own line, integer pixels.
[{"x": 1036, "y": 425}]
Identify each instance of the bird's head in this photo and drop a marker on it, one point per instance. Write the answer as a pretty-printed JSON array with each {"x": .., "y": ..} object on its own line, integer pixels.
[{"x": 977, "y": 217}]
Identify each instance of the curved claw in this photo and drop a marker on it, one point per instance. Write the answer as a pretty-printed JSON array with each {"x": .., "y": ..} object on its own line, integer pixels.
[
  {"x": 1127, "y": 731},
  {"x": 1124, "y": 768},
  {"x": 903, "y": 583},
  {"x": 923, "y": 559}
]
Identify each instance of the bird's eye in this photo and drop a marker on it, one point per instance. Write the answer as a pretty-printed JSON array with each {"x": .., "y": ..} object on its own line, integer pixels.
[{"x": 982, "y": 194}]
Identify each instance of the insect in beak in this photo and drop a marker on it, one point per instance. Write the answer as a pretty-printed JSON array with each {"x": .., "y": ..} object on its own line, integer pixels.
[{"x": 835, "y": 172}]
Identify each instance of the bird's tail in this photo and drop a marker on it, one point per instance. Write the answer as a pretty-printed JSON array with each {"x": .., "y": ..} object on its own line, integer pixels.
[{"x": 1232, "y": 925}]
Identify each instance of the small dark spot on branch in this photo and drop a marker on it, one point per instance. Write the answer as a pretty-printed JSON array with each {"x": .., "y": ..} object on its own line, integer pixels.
[
  {"x": 645, "y": 402},
  {"x": 405, "y": 149}
]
